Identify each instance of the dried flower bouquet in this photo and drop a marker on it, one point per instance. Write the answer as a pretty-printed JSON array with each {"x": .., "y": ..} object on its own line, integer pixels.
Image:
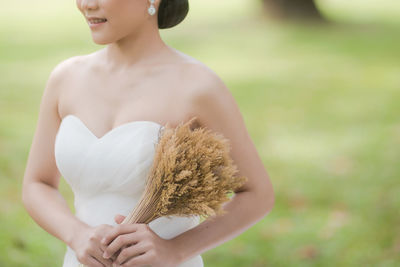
[{"x": 192, "y": 174}]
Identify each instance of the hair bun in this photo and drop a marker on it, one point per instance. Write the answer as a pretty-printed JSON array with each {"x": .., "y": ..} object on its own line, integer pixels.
[{"x": 172, "y": 12}]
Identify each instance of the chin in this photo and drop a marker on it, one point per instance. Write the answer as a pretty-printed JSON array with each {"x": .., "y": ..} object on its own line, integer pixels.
[{"x": 101, "y": 40}]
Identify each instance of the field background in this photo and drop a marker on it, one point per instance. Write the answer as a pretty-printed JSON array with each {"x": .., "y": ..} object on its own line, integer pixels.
[{"x": 321, "y": 104}]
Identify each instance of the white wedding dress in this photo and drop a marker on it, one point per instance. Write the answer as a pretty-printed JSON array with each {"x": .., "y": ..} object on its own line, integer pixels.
[{"x": 107, "y": 175}]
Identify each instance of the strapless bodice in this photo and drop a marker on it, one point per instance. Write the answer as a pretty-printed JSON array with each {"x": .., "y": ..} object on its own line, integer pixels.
[{"x": 107, "y": 175}]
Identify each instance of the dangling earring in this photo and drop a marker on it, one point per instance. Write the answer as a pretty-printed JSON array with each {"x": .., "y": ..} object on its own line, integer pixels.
[{"x": 151, "y": 9}]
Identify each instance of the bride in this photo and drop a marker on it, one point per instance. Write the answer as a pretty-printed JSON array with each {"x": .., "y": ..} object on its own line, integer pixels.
[{"x": 90, "y": 107}]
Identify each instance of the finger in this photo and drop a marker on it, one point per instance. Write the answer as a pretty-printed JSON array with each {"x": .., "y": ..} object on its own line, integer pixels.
[
  {"x": 119, "y": 218},
  {"x": 98, "y": 255},
  {"x": 119, "y": 230},
  {"x": 92, "y": 262},
  {"x": 116, "y": 254},
  {"x": 138, "y": 261},
  {"x": 119, "y": 242},
  {"x": 131, "y": 251}
]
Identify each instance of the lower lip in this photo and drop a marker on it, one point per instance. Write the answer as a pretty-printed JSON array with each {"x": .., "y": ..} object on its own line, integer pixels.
[{"x": 96, "y": 25}]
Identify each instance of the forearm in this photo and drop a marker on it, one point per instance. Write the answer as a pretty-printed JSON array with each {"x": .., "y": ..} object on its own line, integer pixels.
[
  {"x": 49, "y": 209},
  {"x": 243, "y": 211}
]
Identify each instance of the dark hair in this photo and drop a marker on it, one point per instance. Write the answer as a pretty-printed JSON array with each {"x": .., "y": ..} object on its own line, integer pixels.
[{"x": 172, "y": 12}]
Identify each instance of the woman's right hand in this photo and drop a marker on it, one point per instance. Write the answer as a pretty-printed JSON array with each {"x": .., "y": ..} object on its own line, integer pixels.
[{"x": 87, "y": 246}]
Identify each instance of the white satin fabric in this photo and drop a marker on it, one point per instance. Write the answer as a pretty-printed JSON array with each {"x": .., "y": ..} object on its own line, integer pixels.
[{"x": 107, "y": 175}]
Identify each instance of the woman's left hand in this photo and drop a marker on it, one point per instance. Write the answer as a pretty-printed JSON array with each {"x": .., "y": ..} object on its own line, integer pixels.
[{"x": 139, "y": 245}]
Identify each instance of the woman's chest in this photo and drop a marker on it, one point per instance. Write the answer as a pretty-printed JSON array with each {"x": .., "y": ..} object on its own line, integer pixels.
[{"x": 161, "y": 100}]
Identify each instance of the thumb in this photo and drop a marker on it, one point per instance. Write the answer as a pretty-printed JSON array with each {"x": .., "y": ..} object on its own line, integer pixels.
[{"x": 119, "y": 218}]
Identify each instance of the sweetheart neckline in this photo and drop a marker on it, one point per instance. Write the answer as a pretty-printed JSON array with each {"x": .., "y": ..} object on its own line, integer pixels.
[{"x": 107, "y": 133}]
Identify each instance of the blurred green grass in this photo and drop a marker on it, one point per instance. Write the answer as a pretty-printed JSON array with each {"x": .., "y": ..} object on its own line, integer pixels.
[{"x": 320, "y": 103}]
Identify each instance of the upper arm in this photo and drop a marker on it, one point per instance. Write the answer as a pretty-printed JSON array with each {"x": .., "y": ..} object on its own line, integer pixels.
[
  {"x": 41, "y": 166},
  {"x": 216, "y": 109}
]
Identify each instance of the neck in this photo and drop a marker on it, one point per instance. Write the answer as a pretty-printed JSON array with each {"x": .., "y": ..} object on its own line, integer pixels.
[{"x": 135, "y": 49}]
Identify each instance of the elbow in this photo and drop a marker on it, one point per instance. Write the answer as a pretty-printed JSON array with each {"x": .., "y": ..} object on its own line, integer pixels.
[
  {"x": 264, "y": 197},
  {"x": 25, "y": 195},
  {"x": 268, "y": 199},
  {"x": 270, "y": 203}
]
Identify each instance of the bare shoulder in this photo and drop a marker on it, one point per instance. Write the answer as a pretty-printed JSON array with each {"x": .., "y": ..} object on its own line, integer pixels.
[
  {"x": 208, "y": 94},
  {"x": 62, "y": 72},
  {"x": 68, "y": 66},
  {"x": 59, "y": 75},
  {"x": 198, "y": 77},
  {"x": 205, "y": 78}
]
